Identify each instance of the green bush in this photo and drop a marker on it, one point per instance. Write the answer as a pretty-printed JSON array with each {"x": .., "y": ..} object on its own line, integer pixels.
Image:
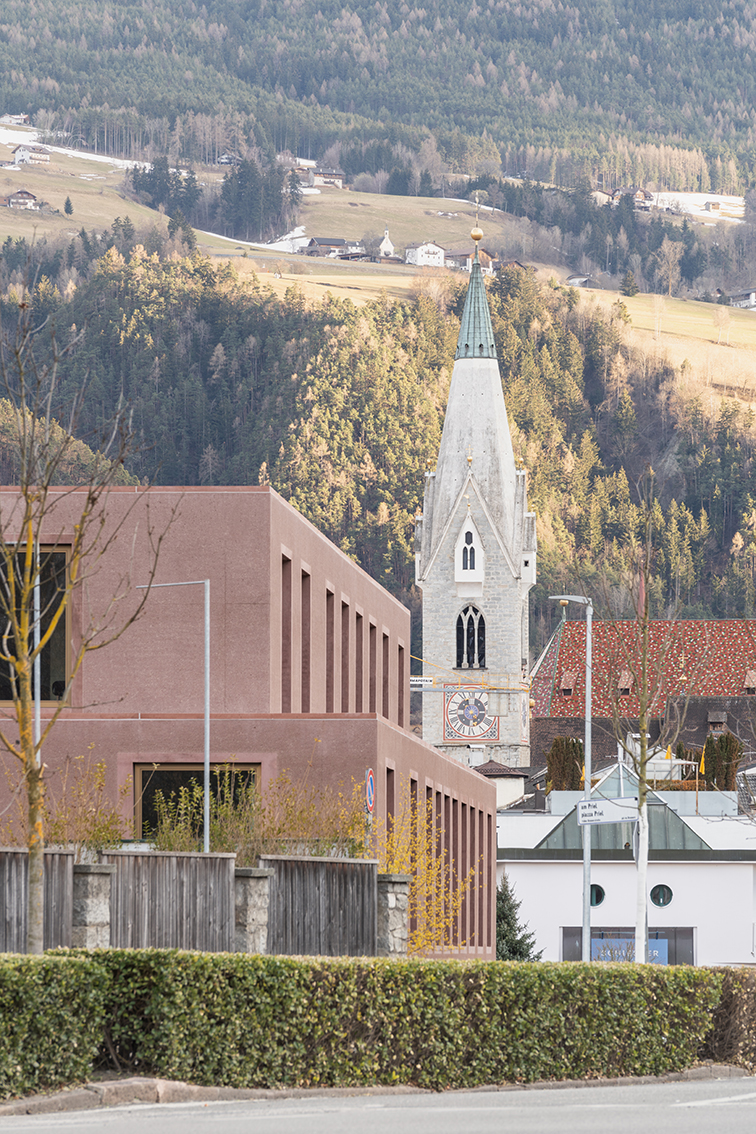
[
  {"x": 51, "y": 1020},
  {"x": 733, "y": 1033},
  {"x": 253, "y": 1021}
]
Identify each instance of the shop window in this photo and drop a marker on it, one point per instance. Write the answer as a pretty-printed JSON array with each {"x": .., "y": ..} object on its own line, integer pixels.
[{"x": 53, "y": 668}]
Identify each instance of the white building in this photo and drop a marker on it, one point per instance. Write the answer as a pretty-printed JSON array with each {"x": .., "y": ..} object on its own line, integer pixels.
[
  {"x": 475, "y": 560},
  {"x": 426, "y": 255},
  {"x": 701, "y": 877},
  {"x": 386, "y": 247}
]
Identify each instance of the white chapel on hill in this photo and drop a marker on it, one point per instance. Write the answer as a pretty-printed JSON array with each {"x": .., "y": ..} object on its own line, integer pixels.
[{"x": 475, "y": 561}]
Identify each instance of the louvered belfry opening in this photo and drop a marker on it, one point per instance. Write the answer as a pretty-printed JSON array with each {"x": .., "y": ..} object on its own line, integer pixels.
[{"x": 471, "y": 639}]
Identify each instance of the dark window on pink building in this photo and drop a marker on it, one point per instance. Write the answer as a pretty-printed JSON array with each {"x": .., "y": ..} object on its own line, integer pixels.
[{"x": 53, "y": 673}]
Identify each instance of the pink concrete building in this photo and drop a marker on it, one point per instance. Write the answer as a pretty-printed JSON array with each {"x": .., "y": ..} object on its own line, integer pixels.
[{"x": 309, "y": 667}]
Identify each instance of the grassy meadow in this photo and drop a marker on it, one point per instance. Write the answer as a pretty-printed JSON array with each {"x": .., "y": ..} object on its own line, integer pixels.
[{"x": 713, "y": 347}]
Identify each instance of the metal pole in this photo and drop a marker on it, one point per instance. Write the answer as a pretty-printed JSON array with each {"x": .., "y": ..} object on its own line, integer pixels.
[
  {"x": 207, "y": 718},
  {"x": 586, "y": 602},
  {"x": 37, "y": 665},
  {"x": 206, "y": 791},
  {"x": 587, "y": 786}
]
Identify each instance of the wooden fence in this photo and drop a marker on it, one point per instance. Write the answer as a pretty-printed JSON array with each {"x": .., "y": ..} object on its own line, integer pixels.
[
  {"x": 14, "y": 887},
  {"x": 322, "y": 906},
  {"x": 171, "y": 901}
]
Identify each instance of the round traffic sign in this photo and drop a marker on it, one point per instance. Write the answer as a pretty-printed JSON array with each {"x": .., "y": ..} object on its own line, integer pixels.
[{"x": 370, "y": 789}]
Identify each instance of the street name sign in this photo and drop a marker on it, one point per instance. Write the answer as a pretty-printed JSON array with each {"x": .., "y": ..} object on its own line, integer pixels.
[{"x": 591, "y": 811}]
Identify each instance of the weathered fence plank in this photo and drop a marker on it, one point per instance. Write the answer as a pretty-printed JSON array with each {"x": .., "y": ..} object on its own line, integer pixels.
[
  {"x": 163, "y": 900},
  {"x": 14, "y": 889},
  {"x": 322, "y": 906}
]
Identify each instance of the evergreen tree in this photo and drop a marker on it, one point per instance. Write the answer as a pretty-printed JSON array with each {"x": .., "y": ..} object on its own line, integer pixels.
[
  {"x": 514, "y": 942},
  {"x": 629, "y": 286},
  {"x": 68, "y": 207}
]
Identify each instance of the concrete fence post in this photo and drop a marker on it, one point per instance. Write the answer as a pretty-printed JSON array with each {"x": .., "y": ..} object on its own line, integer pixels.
[
  {"x": 252, "y": 903},
  {"x": 393, "y": 914},
  {"x": 91, "y": 905}
]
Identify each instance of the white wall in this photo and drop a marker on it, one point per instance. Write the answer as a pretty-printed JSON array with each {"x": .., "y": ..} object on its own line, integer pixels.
[{"x": 718, "y": 899}]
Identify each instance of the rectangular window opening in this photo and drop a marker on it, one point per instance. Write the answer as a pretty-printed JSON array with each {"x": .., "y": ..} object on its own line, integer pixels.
[
  {"x": 373, "y": 690},
  {"x": 400, "y": 681},
  {"x": 52, "y": 589},
  {"x": 176, "y": 781},
  {"x": 345, "y": 658},
  {"x": 330, "y": 649},
  {"x": 385, "y": 676},
  {"x": 359, "y": 631},
  {"x": 285, "y": 634},
  {"x": 306, "y": 641}
]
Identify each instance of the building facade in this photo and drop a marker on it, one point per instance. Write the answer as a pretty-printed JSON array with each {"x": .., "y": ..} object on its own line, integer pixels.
[
  {"x": 476, "y": 562},
  {"x": 309, "y": 670}
]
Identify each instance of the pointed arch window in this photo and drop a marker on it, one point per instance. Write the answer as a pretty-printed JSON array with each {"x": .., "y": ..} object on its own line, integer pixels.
[
  {"x": 471, "y": 639},
  {"x": 468, "y": 553}
]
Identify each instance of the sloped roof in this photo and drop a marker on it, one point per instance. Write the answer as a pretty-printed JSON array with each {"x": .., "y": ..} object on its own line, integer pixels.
[
  {"x": 666, "y": 830},
  {"x": 476, "y": 338},
  {"x": 493, "y": 769},
  {"x": 701, "y": 658}
]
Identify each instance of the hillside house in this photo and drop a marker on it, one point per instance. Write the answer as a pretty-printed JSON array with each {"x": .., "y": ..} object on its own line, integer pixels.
[
  {"x": 463, "y": 260},
  {"x": 27, "y": 154},
  {"x": 744, "y": 299},
  {"x": 425, "y": 255},
  {"x": 332, "y": 246},
  {"x": 320, "y": 177},
  {"x": 21, "y": 199}
]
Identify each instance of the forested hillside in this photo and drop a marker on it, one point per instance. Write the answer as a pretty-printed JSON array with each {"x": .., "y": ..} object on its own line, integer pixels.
[
  {"x": 341, "y": 408},
  {"x": 637, "y": 90}
]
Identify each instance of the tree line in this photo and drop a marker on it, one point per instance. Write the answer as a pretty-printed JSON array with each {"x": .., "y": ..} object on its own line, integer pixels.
[{"x": 341, "y": 408}]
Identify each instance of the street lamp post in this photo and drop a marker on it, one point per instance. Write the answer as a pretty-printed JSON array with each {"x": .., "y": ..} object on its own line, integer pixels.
[
  {"x": 206, "y": 584},
  {"x": 586, "y": 602}
]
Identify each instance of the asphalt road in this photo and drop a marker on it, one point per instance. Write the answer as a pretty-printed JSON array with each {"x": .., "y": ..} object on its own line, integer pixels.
[{"x": 728, "y": 1106}]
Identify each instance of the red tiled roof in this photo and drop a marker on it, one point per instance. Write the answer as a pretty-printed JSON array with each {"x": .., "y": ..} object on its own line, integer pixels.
[{"x": 703, "y": 658}]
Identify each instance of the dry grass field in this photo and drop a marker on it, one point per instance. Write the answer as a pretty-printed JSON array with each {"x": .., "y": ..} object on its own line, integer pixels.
[{"x": 712, "y": 347}]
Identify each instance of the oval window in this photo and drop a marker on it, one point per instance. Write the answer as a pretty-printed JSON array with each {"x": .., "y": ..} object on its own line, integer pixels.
[
  {"x": 597, "y": 895},
  {"x": 661, "y": 895}
]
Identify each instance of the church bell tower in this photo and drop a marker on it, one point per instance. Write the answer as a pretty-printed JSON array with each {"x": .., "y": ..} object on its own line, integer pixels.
[{"x": 475, "y": 560}]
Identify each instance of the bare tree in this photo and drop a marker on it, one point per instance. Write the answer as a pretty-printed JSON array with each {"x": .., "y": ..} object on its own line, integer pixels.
[
  {"x": 53, "y": 537},
  {"x": 640, "y": 650}
]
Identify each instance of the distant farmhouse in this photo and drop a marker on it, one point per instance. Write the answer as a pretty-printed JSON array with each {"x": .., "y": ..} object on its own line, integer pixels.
[
  {"x": 744, "y": 299},
  {"x": 425, "y": 255},
  {"x": 333, "y": 177},
  {"x": 21, "y": 199},
  {"x": 26, "y": 154}
]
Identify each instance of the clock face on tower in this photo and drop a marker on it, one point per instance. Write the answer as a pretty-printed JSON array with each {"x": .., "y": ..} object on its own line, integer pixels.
[{"x": 466, "y": 715}]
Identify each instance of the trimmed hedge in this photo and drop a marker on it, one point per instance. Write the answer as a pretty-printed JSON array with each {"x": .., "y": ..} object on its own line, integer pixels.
[
  {"x": 733, "y": 1035},
  {"x": 52, "y": 1019},
  {"x": 253, "y": 1021}
]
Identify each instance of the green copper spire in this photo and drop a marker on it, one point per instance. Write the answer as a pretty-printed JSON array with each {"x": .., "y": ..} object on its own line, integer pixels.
[{"x": 476, "y": 338}]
